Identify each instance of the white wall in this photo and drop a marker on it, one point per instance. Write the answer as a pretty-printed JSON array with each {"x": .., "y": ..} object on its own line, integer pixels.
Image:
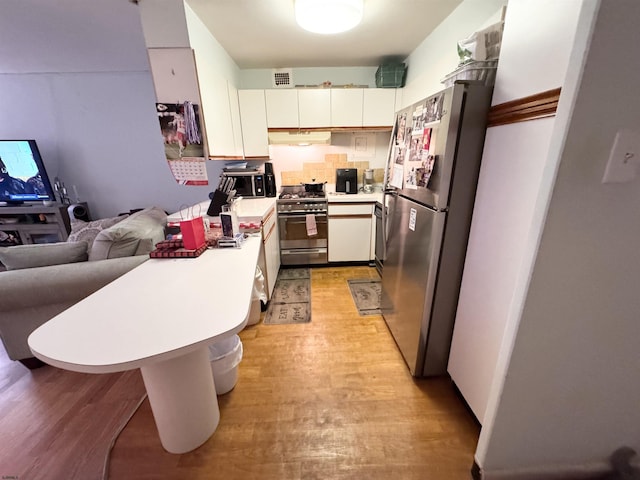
[
  {"x": 262, "y": 77},
  {"x": 437, "y": 55},
  {"x": 213, "y": 60},
  {"x": 164, "y": 23},
  {"x": 513, "y": 165},
  {"x": 74, "y": 76},
  {"x": 570, "y": 394}
]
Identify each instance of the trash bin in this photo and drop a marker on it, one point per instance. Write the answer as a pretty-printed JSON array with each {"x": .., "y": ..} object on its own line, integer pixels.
[
  {"x": 259, "y": 295},
  {"x": 225, "y": 356}
]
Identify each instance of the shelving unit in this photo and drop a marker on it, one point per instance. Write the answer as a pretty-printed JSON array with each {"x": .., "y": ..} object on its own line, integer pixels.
[{"x": 37, "y": 223}]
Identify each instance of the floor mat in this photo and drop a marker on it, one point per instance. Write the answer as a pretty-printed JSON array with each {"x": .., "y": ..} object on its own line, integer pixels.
[
  {"x": 366, "y": 295},
  {"x": 291, "y": 299}
]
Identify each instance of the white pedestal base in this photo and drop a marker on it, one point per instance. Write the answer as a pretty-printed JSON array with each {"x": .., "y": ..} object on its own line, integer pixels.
[{"x": 183, "y": 400}]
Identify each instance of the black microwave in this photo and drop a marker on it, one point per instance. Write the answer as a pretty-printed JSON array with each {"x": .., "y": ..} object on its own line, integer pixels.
[{"x": 248, "y": 184}]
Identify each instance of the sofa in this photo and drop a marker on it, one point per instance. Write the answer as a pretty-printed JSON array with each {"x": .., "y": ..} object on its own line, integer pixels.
[{"x": 43, "y": 280}]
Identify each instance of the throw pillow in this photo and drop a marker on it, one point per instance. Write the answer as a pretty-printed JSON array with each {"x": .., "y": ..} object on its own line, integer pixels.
[
  {"x": 87, "y": 232},
  {"x": 42, "y": 255},
  {"x": 135, "y": 236}
]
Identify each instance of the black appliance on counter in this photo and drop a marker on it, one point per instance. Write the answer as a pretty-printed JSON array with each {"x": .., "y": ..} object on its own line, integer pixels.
[
  {"x": 270, "y": 189},
  {"x": 347, "y": 180},
  {"x": 246, "y": 183}
]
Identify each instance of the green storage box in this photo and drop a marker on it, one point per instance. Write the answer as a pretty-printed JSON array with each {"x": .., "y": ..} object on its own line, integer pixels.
[{"x": 391, "y": 76}]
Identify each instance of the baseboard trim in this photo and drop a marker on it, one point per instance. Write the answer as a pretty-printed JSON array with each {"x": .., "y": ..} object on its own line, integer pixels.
[
  {"x": 587, "y": 472},
  {"x": 476, "y": 473}
]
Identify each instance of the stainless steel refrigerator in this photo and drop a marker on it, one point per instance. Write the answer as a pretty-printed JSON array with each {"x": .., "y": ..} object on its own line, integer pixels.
[{"x": 431, "y": 177}]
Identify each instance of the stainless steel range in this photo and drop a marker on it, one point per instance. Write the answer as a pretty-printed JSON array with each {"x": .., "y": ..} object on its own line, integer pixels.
[{"x": 302, "y": 224}]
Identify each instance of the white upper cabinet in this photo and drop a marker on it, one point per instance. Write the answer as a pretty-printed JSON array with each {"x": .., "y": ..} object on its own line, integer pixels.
[
  {"x": 234, "y": 109},
  {"x": 346, "y": 107},
  {"x": 216, "y": 110},
  {"x": 314, "y": 108},
  {"x": 330, "y": 107},
  {"x": 253, "y": 114},
  {"x": 282, "y": 108},
  {"x": 379, "y": 107}
]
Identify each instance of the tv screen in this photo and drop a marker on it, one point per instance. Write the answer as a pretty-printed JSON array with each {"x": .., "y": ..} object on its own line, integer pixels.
[{"x": 23, "y": 177}]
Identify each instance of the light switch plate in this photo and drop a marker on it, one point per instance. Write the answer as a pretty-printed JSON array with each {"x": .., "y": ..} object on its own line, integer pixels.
[{"x": 624, "y": 158}]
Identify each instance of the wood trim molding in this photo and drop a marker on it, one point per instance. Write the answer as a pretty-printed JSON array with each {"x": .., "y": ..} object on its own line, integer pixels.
[{"x": 536, "y": 106}]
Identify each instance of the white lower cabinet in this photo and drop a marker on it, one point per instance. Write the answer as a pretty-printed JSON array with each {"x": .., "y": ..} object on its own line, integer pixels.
[
  {"x": 350, "y": 232},
  {"x": 271, "y": 250}
]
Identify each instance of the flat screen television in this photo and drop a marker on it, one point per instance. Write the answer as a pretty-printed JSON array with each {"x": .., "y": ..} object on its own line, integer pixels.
[{"x": 23, "y": 177}]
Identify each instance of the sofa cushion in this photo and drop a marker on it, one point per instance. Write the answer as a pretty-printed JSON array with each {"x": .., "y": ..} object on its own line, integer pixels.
[
  {"x": 82, "y": 231},
  {"x": 42, "y": 255},
  {"x": 135, "y": 235}
]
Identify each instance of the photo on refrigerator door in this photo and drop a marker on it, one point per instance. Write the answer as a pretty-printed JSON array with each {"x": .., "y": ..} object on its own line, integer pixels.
[
  {"x": 424, "y": 172},
  {"x": 427, "y": 160},
  {"x": 401, "y": 129},
  {"x": 433, "y": 109},
  {"x": 418, "y": 120},
  {"x": 420, "y": 165},
  {"x": 395, "y": 175},
  {"x": 413, "y": 162}
]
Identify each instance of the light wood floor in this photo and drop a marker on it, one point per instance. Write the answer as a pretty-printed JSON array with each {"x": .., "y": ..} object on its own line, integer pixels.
[
  {"x": 56, "y": 424},
  {"x": 332, "y": 399}
]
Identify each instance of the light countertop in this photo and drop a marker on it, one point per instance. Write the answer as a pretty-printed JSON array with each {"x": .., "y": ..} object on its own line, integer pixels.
[
  {"x": 248, "y": 210},
  {"x": 253, "y": 210},
  {"x": 359, "y": 197}
]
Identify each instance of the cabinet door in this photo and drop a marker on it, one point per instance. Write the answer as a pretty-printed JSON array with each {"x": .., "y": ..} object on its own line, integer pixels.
[
  {"x": 217, "y": 118},
  {"x": 253, "y": 116},
  {"x": 282, "y": 108},
  {"x": 271, "y": 250},
  {"x": 349, "y": 238},
  {"x": 314, "y": 108},
  {"x": 350, "y": 231},
  {"x": 346, "y": 107},
  {"x": 175, "y": 80},
  {"x": 234, "y": 109},
  {"x": 174, "y": 75},
  {"x": 379, "y": 107}
]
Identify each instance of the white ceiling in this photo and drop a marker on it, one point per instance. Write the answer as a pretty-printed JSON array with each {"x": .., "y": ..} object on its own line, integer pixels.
[{"x": 263, "y": 33}]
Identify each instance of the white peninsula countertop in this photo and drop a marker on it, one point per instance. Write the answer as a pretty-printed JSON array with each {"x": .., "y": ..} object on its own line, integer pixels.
[
  {"x": 160, "y": 317},
  {"x": 157, "y": 311}
]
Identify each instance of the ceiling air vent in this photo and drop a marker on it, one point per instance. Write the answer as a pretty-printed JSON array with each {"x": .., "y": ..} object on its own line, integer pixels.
[{"x": 282, "y": 77}]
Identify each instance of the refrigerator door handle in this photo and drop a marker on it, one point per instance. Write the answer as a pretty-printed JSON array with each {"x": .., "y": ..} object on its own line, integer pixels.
[{"x": 391, "y": 193}]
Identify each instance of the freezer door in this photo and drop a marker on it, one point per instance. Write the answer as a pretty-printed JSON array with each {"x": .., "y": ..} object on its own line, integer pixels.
[
  {"x": 410, "y": 271},
  {"x": 455, "y": 142}
]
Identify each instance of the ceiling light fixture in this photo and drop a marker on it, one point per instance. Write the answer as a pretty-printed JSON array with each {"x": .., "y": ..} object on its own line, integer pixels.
[{"x": 328, "y": 16}]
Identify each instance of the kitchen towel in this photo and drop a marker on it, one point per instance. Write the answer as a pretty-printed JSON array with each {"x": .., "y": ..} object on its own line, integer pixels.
[{"x": 312, "y": 228}]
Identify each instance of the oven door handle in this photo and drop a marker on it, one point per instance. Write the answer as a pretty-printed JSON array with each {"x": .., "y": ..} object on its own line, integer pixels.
[
  {"x": 301, "y": 217},
  {"x": 303, "y": 251}
]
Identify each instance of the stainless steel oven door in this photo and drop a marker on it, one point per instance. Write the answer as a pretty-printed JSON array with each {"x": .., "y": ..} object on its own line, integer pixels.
[{"x": 293, "y": 231}]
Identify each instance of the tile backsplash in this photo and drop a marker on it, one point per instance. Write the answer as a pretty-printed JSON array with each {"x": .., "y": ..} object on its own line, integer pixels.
[
  {"x": 295, "y": 164},
  {"x": 326, "y": 171}
]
